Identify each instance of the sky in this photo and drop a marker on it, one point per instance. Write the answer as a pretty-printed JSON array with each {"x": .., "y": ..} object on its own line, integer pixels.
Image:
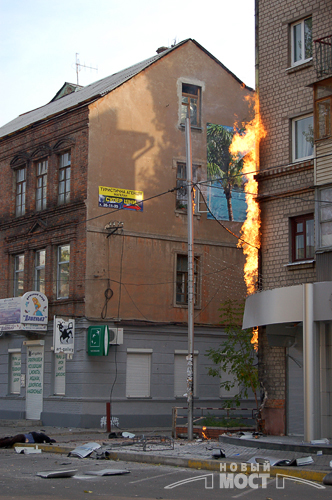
[{"x": 39, "y": 40}]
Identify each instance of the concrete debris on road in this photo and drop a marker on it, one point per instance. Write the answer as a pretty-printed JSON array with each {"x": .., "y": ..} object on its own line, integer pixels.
[
  {"x": 107, "y": 472},
  {"x": 84, "y": 450},
  {"x": 57, "y": 473}
]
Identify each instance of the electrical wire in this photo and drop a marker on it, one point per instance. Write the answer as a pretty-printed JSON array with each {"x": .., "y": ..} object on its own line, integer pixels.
[{"x": 222, "y": 225}]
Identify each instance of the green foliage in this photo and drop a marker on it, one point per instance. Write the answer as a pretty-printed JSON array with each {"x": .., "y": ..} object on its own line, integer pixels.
[
  {"x": 212, "y": 421},
  {"x": 235, "y": 356}
]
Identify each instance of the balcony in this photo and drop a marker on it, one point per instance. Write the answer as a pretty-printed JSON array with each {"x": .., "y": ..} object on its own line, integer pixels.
[{"x": 323, "y": 59}]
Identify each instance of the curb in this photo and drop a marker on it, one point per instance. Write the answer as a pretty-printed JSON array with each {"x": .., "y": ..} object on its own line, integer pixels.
[
  {"x": 211, "y": 465},
  {"x": 268, "y": 445}
]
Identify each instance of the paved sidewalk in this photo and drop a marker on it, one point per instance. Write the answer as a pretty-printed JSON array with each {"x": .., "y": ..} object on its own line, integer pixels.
[{"x": 156, "y": 446}]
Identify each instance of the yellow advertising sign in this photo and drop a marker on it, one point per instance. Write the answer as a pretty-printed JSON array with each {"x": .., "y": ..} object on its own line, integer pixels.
[{"x": 117, "y": 198}]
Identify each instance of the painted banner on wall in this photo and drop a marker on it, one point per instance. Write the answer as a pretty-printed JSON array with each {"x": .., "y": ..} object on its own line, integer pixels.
[{"x": 225, "y": 192}]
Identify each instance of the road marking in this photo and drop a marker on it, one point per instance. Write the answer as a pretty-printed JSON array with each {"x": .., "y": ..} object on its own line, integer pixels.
[
  {"x": 154, "y": 477},
  {"x": 251, "y": 490}
]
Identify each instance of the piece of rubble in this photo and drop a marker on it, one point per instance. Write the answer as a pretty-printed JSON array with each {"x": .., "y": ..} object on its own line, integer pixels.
[
  {"x": 57, "y": 473},
  {"x": 84, "y": 450},
  {"x": 107, "y": 472},
  {"x": 27, "y": 450}
]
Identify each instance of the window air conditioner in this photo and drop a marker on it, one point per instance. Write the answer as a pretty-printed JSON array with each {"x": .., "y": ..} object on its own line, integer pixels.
[{"x": 115, "y": 336}]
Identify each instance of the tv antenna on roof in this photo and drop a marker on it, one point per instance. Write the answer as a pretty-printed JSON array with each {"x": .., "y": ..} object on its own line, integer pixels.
[{"x": 79, "y": 66}]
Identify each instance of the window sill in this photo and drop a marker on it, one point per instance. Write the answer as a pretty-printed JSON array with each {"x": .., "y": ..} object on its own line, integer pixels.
[
  {"x": 301, "y": 264},
  {"x": 297, "y": 67},
  {"x": 179, "y": 211},
  {"x": 185, "y": 306},
  {"x": 139, "y": 397}
]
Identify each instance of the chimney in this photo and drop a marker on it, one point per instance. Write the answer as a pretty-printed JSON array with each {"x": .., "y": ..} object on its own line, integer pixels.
[{"x": 161, "y": 49}]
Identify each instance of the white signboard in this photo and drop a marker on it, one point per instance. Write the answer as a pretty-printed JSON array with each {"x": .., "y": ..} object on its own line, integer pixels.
[
  {"x": 59, "y": 373},
  {"x": 35, "y": 375},
  {"x": 34, "y": 308},
  {"x": 15, "y": 369},
  {"x": 63, "y": 335},
  {"x": 29, "y": 312}
]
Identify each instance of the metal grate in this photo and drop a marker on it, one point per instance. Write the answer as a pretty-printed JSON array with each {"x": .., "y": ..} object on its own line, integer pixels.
[{"x": 323, "y": 56}]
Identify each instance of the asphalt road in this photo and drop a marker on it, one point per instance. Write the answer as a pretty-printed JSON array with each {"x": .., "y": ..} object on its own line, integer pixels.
[{"x": 19, "y": 480}]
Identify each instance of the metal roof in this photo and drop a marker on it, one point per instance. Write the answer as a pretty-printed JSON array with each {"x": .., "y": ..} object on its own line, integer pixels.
[
  {"x": 89, "y": 93},
  {"x": 84, "y": 95}
]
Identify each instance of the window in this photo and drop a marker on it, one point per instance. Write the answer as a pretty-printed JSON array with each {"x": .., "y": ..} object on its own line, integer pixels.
[
  {"x": 325, "y": 218},
  {"x": 64, "y": 179},
  {"x": 323, "y": 109},
  {"x": 39, "y": 279},
  {"x": 303, "y": 137},
  {"x": 180, "y": 373},
  {"x": 59, "y": 373},
  {"x": 182, "y": 279},
  {"x": 41, "y": 187},
  {"x": 181, "y": 182},
  {"x": 14, "y": 371},
  {"x": 18, "y": 275},
  {"x": 138, "y": 375},
  {"x": 303, "y": 237},
  {"x": 301, "y": 41},
  {"x": 63, "y": 271},
  {"x": 20, "y": 191},
  {"x": 190, "y": 104}
]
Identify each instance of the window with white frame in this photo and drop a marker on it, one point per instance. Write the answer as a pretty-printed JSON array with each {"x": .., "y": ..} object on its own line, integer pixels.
[
  {"x": 14, "y": 371},
  {"x": 20, "y": 191},
  {"x": 18, "y": 275},
  {"x": 182, "y": 280},
  {"x": 301, "y": 41},
  {"x": 138, "y": 373},
  {"x": 64, "y": 178},
  {"x": 191, "y": 104},
  {"x": 39, "y": 279},
  {"x": 325, "y": 217},
  {"x": 63, "y": 261},
  {"x": 180, "y": 373},
  {"x": 303, "y": 137},
  {"x": 59, "y": 373},
  {"x": 41, "y": 185}
]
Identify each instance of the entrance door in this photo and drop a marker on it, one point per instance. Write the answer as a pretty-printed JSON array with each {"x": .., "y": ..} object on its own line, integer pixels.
[{"x": 34, "y": 386}]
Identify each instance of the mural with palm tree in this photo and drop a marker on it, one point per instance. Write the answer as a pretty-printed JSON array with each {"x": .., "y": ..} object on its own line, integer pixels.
[{"x": 224, "y": 168}]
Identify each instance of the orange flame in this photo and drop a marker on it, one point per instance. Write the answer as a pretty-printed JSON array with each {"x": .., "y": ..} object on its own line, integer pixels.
[
  {"x": 254, "y": 338},
  {"x": 248, "y": 145},
  {"x": 194, "y": 203},
  {"x": 203, "y": 433}
]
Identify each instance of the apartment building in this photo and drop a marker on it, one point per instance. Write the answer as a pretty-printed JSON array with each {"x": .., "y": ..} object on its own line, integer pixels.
[
  {"x": 93, "y": 249},
  {"x": 293, "y": 304}
]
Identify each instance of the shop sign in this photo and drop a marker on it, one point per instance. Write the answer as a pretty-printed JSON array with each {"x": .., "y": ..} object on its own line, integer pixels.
[
  {"x": 29, "y": 312},
  {"x": 121, "y": 199},
  {"x": 63, "y": 335},
  {"x": 98, "y": 340}
]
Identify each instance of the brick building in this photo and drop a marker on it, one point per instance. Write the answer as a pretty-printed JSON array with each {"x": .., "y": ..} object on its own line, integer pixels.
[
  {"x": 293, "y": 306},
  {"x": 66, "y": 169}
]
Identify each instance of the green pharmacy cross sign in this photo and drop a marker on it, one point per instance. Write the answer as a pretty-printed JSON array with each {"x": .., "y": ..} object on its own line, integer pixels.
[{"x": 98, "y": 340}]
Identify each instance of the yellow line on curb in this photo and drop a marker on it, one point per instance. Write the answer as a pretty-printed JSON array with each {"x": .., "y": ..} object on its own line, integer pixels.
[{"x": 213, "y": 465}]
